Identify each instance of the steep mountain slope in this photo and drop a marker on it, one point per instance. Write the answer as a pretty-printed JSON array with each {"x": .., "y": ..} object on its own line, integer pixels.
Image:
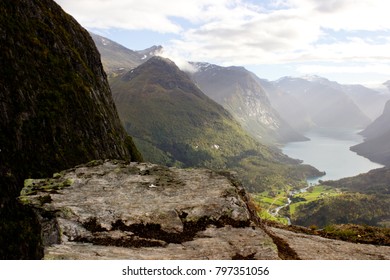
[
  {"x": 171, "y": 113},
  {"x": 56, "y": 108},
  {"x": 119, "y": 59},
  {"x": 238, "y": 91},
  {"x": 377, "y": 143},
  {"x": 174, "y": 123},
  {"x": 371, "y": 102},
  {"x": 326, "y": 105},
  {"x": 289, "y": 107}
]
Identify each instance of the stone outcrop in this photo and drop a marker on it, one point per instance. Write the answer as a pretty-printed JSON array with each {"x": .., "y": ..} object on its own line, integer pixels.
[
  {"x": 111, "y": 210},
  {"x": 118, "y": 210}
]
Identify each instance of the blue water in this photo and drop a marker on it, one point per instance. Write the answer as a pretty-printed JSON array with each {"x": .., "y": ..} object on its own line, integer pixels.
[{"x": 328, "y": 150}]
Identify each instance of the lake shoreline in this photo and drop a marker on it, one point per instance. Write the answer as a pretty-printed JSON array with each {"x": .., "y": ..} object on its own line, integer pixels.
[{"x": 329, "y": 150}]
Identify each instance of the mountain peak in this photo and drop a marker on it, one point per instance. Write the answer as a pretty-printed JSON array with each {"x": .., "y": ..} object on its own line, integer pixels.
[
  {"x": 205, "y": 66},
  {"x": 162, "y": 69},
  {"x": 118, "y": 59},
  {"x": 314, "y": 78},
  {"x": 240, "y": 92},
  {"x": 161, "y": 60},
  {"x": 150, "y": 52}
]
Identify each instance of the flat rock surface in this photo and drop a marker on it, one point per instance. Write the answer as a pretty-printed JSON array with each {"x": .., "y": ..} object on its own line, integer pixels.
[
  {"x": 310, "y": 247},
  {"x": 115, "y": 210}
]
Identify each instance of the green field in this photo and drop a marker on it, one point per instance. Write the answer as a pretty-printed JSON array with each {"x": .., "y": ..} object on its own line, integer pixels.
[
  {"x": 313, "y": 193},
  {"x": 270, "y": 200}
]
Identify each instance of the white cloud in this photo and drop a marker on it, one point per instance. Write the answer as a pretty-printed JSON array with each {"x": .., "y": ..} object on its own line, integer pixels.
[
  {"x": 346, "y": 14},
  {"x": 155, "y": 15},
  {"x": 256, "y": 32},
  {"x": 179, "y": 60}
]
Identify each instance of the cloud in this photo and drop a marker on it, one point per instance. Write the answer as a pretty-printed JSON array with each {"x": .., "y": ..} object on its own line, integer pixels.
[
  {"x": 346, "y": 14},
  {"x": 152, "y": 15},
  {"x": 179, "y": 60},
  {"x": 298, "y": 30},
  {"x": 246, "y": 32}
]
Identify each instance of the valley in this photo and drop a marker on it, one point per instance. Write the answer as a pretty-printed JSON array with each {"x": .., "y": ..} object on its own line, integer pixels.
[
  {"x": 329, "y": 151},
  {"x": 279, "y": 137}
]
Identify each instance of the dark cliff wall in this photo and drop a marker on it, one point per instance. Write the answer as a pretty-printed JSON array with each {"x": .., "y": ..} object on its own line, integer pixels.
[{"x": 56, "y": 108}]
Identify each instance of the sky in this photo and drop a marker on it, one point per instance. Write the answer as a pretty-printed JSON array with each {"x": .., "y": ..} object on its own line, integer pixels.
[{"x": 347, "y": 41}]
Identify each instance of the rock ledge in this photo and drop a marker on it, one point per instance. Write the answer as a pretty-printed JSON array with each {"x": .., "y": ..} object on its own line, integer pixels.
[{"x": 118, "y": 210}]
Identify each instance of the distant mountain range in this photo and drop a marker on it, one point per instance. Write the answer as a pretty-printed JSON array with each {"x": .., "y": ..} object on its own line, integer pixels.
[
  {"x": 174, "y": 123},
  {"x": 288, "y": 106},
  {"x": 327, "y": 104},
  {"x": 240, "y": 92},
  {"x": 271, "y": 111},
  {"x": 371, "y": 102},
  {"x": 274, "y": 111}
]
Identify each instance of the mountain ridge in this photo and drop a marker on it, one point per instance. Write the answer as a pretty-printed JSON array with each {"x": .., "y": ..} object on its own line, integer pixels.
[
  {"x": 238, "y": 91},
  {"x": 327, "y": 105},
  {"x": 118, "y": 59},
  {"x": 174, "y": 123}
]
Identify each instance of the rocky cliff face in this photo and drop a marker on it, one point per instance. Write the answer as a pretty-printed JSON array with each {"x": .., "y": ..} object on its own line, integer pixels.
[
  {"x": 147, "y": 211},
  {"x": 56, "y": 108}
]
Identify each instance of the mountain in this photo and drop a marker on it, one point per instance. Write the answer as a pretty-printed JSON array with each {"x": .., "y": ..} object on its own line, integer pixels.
[
  {"x": 56, "y": 109},
  {"x": 239, "y": 91},
  {"x": 245, "y": 100},
  {"x": 326, "y": 105},
  {"x": 376, "y": 145},
  {"x": 289, "y": 107},
  {"x": 119, "y": 59},
  {"x": 174, "y": 123},
  {"x": 161, "y": 106},
  {"x": 371, "y": 102}
]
